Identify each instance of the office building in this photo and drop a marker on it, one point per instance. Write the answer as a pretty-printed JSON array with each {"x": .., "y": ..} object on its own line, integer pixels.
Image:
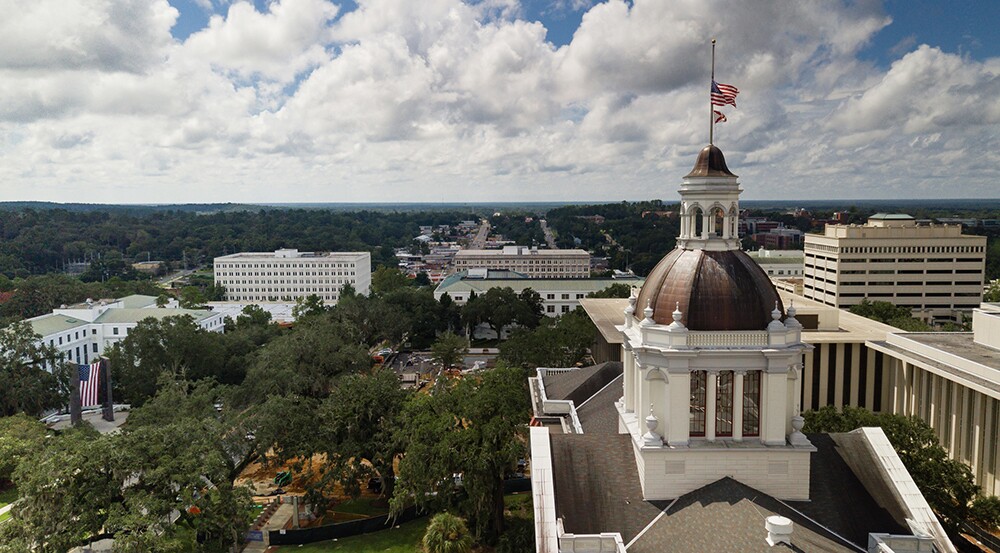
[
  {"x": 950, "y": 380},
  {"x": 934, "y": 270},
  {"x": 290, "y": 274},
  {"x": 559, "y": 295},
  {"x": 532, "y": 262},
  {"x": 779, "y": 263},
  {"x": 82, "y": 332}
]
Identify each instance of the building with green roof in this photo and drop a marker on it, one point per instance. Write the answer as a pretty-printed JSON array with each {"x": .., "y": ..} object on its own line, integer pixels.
[{"x": 82, "y": 332}]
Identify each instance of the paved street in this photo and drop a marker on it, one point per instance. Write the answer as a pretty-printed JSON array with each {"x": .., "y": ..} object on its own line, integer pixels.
[
  {"x": 479, "y": 242},
  {"x": 549, "y": 239}
]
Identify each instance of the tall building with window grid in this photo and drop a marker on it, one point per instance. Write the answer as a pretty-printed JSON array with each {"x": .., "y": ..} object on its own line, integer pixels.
[
  {"x": 934, "y": 270},
  {"x": 289, "y": 274}
]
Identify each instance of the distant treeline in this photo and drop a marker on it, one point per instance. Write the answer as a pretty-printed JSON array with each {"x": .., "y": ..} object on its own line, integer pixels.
[{"x": 34, "y": 241}]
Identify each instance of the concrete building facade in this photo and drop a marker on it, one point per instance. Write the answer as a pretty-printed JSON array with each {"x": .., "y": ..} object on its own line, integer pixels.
[
  {"x": 289, "y": 274},
  {"x": 950, "y": 380},
  {"x": 934, "y": 270},
  {"x": 532, "y": 262}
]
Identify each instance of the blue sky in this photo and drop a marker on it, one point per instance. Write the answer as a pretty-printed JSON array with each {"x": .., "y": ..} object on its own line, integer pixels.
[
  {"x": 959, "y": 26},
  {"x": 493, "y": 100}
]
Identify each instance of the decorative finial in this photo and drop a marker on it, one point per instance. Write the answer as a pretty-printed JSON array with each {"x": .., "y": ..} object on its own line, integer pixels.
[
  {"x": 648, "y": 311},
  {"x": 677, "y": 312},
  {"x": 776, "y": 314}
]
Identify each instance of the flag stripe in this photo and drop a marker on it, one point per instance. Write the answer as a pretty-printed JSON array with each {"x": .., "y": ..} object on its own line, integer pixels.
[
  {"x": 724, "y": 94},
  {"x": 90, "y": 384}
]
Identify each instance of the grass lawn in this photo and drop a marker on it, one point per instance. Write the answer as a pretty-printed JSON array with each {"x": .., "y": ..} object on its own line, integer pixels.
[
  {"x": 405, "y": 539},
  {"x": 5, "y": 516},
  {"x": 362, "y": 506},
  {"x": 8, "y": 496}
]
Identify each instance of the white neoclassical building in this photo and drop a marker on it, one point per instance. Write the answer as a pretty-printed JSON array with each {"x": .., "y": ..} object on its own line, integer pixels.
[
  {"x": 693, "y": 441},
  {"x": 711, "y": 372}
]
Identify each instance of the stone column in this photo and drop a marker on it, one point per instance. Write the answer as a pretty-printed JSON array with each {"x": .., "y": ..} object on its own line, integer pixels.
[
  {"x": 629, "y": 378},
  {"x": 642, "y": 388},
  {"x": 678, "y": 430},
  {"x": 738, "y": 405},
  {"x": 711, "y": 391},
  {"x": 726, "y": 227},
  {"x": 704, "y": 226}
]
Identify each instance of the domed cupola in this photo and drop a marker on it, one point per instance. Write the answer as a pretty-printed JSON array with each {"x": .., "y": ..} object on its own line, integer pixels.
[{"x": 708, "y": 277}]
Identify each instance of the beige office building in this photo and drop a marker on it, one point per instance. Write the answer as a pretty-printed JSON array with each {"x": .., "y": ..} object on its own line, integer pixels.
[
  {"x": 934, "y": 270},
  {"x": 532, "y": 262},
  {"x": 290, "y": 274}
]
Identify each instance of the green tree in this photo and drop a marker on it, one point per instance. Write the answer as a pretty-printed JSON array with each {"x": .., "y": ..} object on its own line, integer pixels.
[
  {"x": 67, "y": 488},
  {"x": 616, "y": 290},
  {"x": 475, "y": 428},
  {"x": 251, "y": 316},
  {"x": 306, "y": 361},
  {"x": 449, "y": 349},
  {"x": 560, "y": 343},
  {"x": 447, "y": 533},
  {"x": 885, "y": 312},
  {"x": 359, "y": 430},
  {"x": 387, "y": 279},
  {"x": 308, "y": 306},
  {"x": 192, "y": 298},
  {"x": 992, "y": 293},
  {"x": 948, "y": 485},
  {"x": 20, "y": 436},
  {"x": 26, "y": 385},
  {"x": 175, "y": 345}
]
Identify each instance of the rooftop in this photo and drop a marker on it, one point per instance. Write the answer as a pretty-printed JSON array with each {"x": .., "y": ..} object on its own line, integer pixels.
[
  {"x": 128, "y": 316},
  {"x": 290, "y": 254},
  {"x": 602, "y": 494},
  {"x": 459, "y": 282},
  {"x": 607, "y": 314}
]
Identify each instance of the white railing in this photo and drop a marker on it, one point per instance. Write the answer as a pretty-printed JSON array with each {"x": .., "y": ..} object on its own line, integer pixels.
[{"x": 749, "y": 338}]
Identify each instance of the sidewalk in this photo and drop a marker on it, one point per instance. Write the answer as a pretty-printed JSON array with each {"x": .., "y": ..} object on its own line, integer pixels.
[{"x": 277, "y": 521}]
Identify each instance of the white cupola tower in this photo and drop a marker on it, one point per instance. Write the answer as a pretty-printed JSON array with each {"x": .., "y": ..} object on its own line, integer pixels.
[
  {"x": 710, "y": 205},
  {"x": 711, "y": 359}
]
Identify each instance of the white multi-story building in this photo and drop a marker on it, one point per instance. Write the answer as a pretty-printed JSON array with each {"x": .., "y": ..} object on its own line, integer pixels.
[
  {"x": 84, "y": 331},
  {"x": 559, "y": 295},
  {"x": 289, "y": 274},
  {"x": 779, "y": 263},
  {"x": 532, "y": 262},
  {"x": 934, "y": 270}
]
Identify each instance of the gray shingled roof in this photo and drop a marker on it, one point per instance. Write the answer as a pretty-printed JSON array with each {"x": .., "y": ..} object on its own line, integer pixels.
[
  {"x": 598, "y": 414},
  {"x": 579, "y": 385},
  {"x": 597, "y": 490}
]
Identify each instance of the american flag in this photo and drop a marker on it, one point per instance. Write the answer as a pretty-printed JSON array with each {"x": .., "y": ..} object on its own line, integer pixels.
[
  {"x": 90, "y": 382},
  {"x": 724, "y": 94},
  {"x": 719, "y": 116}
]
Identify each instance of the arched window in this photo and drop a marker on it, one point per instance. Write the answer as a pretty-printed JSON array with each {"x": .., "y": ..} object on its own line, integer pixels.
[{"x": 698, "y": 390}]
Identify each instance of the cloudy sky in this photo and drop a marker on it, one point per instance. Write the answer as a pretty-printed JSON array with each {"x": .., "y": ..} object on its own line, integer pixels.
[{"x": 152, "y": 101}]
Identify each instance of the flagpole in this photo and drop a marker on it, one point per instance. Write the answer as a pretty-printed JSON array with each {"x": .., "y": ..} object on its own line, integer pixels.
[{"x": 711, "y": 108}]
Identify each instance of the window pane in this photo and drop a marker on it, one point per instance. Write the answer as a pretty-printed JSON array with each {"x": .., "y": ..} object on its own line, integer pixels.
[
  {"x": 724, "y": 404},
  {"x": 751, "y": 403},
  {"x": 698, "y": 403}
]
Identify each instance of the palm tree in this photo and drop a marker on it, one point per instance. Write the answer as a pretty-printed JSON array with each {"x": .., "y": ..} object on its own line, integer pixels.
[{"x": 447, "y": 533}]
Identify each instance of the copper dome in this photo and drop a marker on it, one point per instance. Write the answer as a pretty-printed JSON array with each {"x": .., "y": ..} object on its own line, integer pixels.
[
  {"x": 710, "y": 163},
  {"x": 715, "y": 290}
]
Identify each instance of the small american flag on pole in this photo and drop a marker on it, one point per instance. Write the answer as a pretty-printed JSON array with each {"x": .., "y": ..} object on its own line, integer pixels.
[
  {"x": 90, "y": 383},
  {"x": 724, "y": 94}
]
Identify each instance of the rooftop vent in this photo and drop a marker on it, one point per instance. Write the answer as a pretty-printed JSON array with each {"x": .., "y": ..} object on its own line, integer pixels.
[{"x": 779, "y": 530}]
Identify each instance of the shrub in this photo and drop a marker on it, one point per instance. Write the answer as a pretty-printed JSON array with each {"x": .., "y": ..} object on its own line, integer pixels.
[{"x": 447, "y": 533}]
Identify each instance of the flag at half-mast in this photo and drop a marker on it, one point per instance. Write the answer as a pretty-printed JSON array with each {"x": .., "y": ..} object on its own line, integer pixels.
[
  {"x": 90, "y": 384},
  {"x": 724, "y": 94}
]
